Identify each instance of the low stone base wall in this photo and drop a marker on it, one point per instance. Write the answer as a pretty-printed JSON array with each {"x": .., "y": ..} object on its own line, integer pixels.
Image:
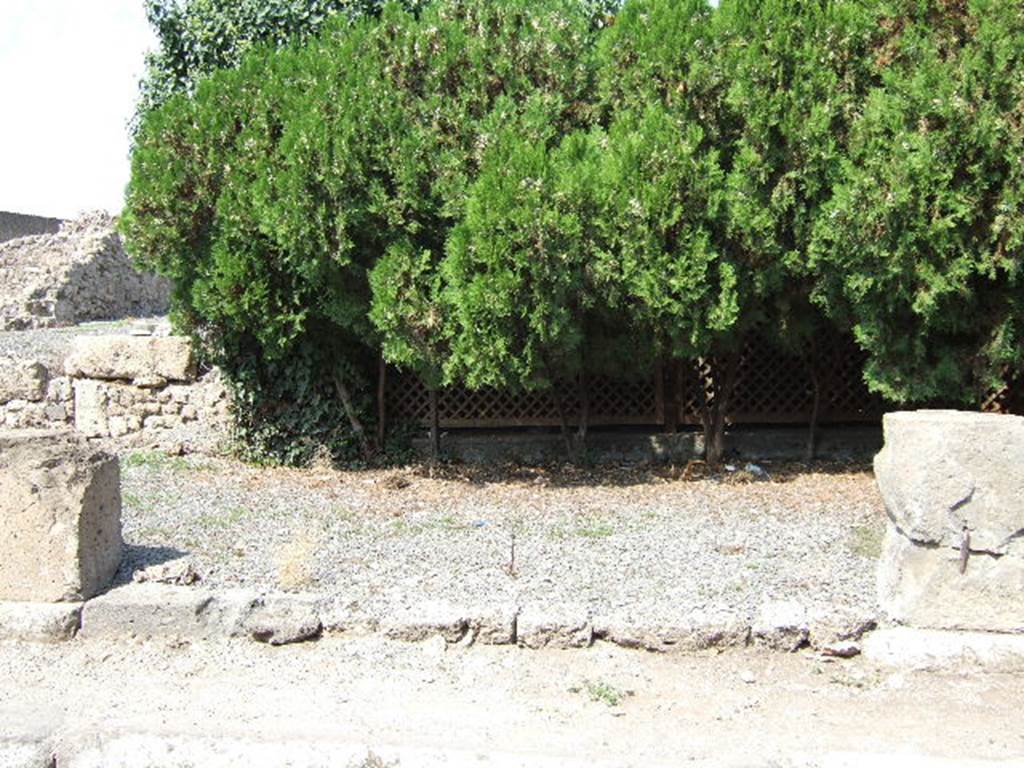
[
  {"x": 116, "y": 408},
  {"x": 744, "y": 444}
]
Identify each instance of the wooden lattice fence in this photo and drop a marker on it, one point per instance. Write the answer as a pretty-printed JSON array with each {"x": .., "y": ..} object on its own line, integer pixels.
[{"x": 772, "y": 388}]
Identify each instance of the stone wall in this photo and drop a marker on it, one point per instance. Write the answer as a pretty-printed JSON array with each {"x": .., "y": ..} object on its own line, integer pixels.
[
  {"x": 140, "y": 390},
  {"x": 13, "y": 225},
  {"x": 81, "y": 273}
]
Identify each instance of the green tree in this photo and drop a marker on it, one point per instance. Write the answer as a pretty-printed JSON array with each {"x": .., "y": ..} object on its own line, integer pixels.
[
  {"x": 197, "y": 37},
  {"x": 920, "y": 251},
  {"x": 262, "y": 196},
  {"x": 270, "y": 191},
  {"x": 450, "y": 70},
  {"x": 726, "y": 129},
  {"x": 524, "y": 293},
  {"x": 796, "y": 75}
]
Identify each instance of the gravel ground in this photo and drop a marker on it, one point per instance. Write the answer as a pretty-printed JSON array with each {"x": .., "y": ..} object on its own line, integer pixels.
[
  {"x": 643, "y": 541},
  {"x": 597, "y": 706},
  {"x": 51, "y": 345}
]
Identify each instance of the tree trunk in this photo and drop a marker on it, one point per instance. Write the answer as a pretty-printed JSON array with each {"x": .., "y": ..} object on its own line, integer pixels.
[
  {"x": 382, "y": 412},
  {"x": 581, "y": 431},
  {"x": 714, "y": 451},
  {"x": 715, "y": 407},
  {"x": 563, "y": 419},
  {"x": 435, "y": 433},
  {"x": 812, "y": 428},
  {"x": 366, "y": 445}
]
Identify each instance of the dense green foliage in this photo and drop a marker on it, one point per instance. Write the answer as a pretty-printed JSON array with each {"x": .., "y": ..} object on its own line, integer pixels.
[
  {"x": 197, "y": 37},
  {"x": 920, "y": 247},
  {"x": 536, "y": 191},
  {"x": 271, "y": 193}
]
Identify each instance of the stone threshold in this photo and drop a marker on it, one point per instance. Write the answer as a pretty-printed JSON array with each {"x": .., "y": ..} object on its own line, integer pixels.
[{"x": 193, "y": 613}]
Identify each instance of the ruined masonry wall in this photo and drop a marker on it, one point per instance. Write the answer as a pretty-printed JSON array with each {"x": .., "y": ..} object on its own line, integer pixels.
[
  {"x": 78, "y": 274},
  {"x": 116, "y": 387}
]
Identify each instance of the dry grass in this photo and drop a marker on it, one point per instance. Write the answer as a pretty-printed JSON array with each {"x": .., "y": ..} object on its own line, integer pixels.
[{"x": 295, "y": 561}]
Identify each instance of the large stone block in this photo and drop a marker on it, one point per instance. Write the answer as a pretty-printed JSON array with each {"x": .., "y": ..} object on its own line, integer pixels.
[
  {"x": 60, "y": 517},
  {"x": 21, "y": 380},
  {"x": 953, "y": 486},
  {"x": 161, "y": 610},
  {"x": 91, "y": 400},
  {"x": 941, "y": 469},
  {"x": 39, "y": 622},
  {"x": 129, "y": 358}
]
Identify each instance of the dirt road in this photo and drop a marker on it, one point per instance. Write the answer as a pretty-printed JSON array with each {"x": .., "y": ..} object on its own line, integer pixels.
[{"x": 371, "y": 702}]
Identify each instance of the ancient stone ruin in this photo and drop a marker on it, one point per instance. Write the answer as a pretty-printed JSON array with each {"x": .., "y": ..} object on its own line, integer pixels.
[
  {"x": 953, "y": 485},
  {"x": 79, "y": 274},
  {"x": 117, "y": 386},
  {"x": 60, "y": 503},
  {"x": 14, "y": 225}
]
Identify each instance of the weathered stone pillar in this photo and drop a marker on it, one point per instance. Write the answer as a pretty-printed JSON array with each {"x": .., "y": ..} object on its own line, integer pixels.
[
  {"x": 953, "y": 486},
  {"x": 60, "y": 517}
]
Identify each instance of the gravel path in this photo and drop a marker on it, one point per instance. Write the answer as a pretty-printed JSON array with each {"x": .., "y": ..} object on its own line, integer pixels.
[
  {"x": 617, "y": 540},
  {"x": 599, "y": 706},
  {"x": 51, "y": 345}
]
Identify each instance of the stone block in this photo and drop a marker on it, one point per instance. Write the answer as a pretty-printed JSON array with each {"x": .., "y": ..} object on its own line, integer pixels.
[
  {"x": 91, "y": 398},
  {"x": 282, "y": 619},
  {"x": 131, "y": 358},
  {"x": 60, "y": 517},
  {"x": 39, "y": 622},
  {"x": 554, "y": 627},
  {"x": 695, "y": 631},
  {"x": 941, "y": 651},
  {"x": 422, "y": 621},
  {"x": 782, "y": 625},
  {"x": 21, "y": 380},
  {"x": 940, "y": 470},
  {"x": 953, "y": 487},
  {"x": 159, "y": 610}
]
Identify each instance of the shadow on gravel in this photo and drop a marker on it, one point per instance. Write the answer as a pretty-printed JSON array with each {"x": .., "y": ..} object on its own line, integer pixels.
[
  {"x": 568, "y": 475},
  {"x": 138, "y": 557}
]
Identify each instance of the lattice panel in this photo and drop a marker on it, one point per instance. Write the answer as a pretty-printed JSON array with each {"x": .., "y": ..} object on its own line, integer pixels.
[
  {"x": 1007, "y": 400},
  {"x": 771, "y": 388},
  {"x": 775, "y": 388},
  {"x": 611, "y": 402}
]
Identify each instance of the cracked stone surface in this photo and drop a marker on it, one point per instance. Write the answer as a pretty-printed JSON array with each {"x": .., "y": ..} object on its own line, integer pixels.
[{"x": 953, "y": 487}]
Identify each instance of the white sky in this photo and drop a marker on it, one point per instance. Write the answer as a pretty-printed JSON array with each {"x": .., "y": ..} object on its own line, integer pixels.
[{"x": 69, "y": 72}]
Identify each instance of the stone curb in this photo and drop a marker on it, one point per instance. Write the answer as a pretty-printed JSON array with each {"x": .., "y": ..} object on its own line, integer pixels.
[
  {"x": 159, "y": 610},
  {"x": 943, "y": 650},
  {"x": 39, "y": 622}
]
